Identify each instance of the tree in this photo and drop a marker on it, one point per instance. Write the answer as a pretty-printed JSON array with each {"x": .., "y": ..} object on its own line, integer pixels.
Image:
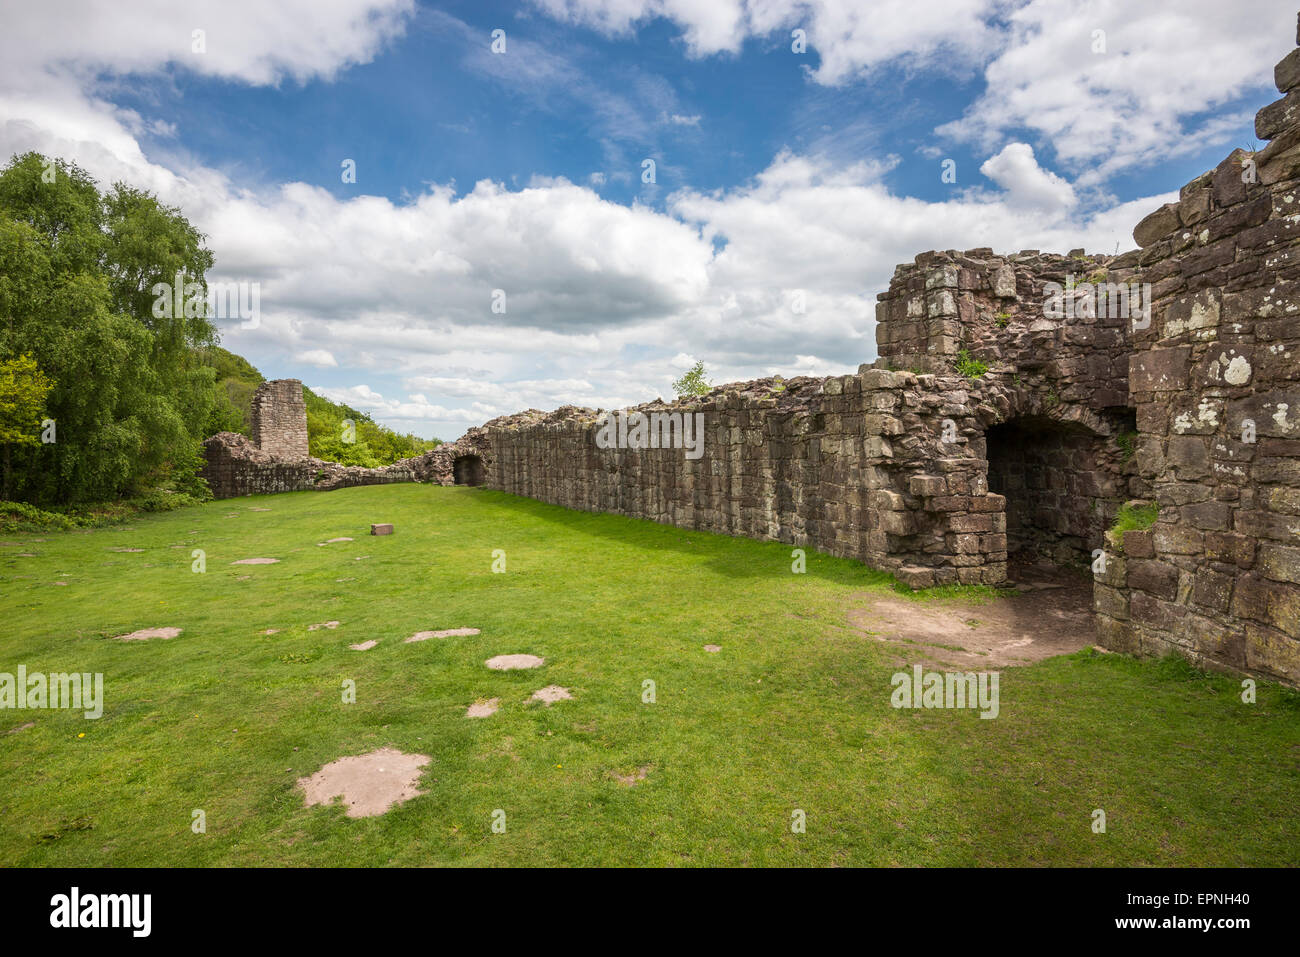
[
  {"x": 692, "y": 383},
  {"x": 130, "y": 392},
  {"x": 23, "y": 389}
]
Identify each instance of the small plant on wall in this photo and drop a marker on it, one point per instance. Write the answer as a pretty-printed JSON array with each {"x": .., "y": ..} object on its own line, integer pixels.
[{"x": 969, "y": 366}]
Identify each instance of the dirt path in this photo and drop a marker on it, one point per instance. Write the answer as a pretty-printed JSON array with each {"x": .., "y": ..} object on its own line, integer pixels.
[{"x": 1051, "y": 615}]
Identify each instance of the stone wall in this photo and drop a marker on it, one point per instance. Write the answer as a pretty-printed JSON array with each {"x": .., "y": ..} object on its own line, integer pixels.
[
  {"x": 234, "y": 466},
  {"x": 280, "y": 419},
  {"x": 1216, "y": 385}
]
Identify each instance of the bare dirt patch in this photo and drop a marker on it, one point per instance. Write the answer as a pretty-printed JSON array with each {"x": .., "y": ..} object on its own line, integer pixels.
[
  {"x": 256, "y": 561},
  {"x": 551, "y": 694},
  {"x": 144, "y": 634},
  {"x": 713, "y": 649},
  {"x": 364, "y": 645},
  {"x": 513, "y": 662},
  {"x": 630, "y": 780},
  {"x": 448, "y": 633},
  {"x": 21, "y": 727},
  {"x": 483, "y": 709},
  {"x": 331, "y": 541},
  {"x": 126, "y": 549},
  {"x": 369, "y": 784},
  {"x": 1054, "y": 618},
  {"x": 323, "y": 624}
]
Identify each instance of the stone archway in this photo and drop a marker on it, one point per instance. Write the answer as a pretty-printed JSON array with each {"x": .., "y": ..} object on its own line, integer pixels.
[{"x": 468, "y": 470}]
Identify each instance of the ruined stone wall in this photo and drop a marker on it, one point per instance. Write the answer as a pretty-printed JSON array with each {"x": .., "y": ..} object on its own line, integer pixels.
[
  {"x": 233, "y": 466},
  {"x": 280, "y": 419},
  {"x": 847, "y": 465},
  {"x": 1216, "y": 384},
  {"x": 1044, "y": 425},
  {"x": 889, "y": 466}
]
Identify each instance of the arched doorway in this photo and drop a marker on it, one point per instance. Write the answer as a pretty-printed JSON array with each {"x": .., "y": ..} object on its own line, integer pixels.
[{"x": 468, "y": 470}]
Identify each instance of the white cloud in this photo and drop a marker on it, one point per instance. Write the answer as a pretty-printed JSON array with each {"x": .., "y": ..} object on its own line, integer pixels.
[
  {"x": 1026, "y": 183},
  {"x": 246, "y": 40},
  {"x": 320, "y": 358},
  {"x": 1141, "y": 100},
  {"x": 851, "y": 37}
]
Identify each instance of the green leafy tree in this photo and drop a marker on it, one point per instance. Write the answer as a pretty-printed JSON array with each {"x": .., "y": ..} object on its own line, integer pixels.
[
  {"x": 692, "y": 383},
  {"x": 131, "y": 395},
  {"x": 23, "y": 390}
]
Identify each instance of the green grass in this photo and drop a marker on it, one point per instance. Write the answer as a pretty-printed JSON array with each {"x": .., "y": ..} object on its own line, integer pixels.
[
  {"x": 793, "y": 713},
  {"x": 1132, "y": 517}
]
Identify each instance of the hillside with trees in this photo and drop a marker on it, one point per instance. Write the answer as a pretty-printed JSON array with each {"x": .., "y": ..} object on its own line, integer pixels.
[{"x": 105, "y": 396}]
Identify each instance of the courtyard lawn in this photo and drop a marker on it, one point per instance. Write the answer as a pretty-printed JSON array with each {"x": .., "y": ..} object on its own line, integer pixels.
[{"x": 792, "y": 714}]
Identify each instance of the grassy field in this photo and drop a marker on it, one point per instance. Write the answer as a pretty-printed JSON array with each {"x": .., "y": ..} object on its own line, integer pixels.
[{"x": 793, "y": 713}]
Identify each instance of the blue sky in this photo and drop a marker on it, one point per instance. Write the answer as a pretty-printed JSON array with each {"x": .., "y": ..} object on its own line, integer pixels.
[{"x": 776, "y": 172}]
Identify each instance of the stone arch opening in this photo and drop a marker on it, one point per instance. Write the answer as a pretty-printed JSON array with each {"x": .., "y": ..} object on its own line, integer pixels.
[
  {"x": 468, "y": 470},
  {"x": 1057, "y": 480}
]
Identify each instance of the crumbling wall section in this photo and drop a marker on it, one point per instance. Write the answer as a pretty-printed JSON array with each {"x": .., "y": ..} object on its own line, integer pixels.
[
  {"x": 279, "y": 421},
  {"x": 1216, "y": 382}
]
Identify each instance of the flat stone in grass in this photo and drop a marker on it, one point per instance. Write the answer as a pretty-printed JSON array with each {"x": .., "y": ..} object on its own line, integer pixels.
[
  {"x": 32, "y": 724},
  {"x": 253, "y": 509},
  {"x": 271, "y": 631},
  {"x": 448, "y": 633},
  {"x": 381, "y": 529},
  {"x": 332, "y": 541},
  {"x": 513, "y": 662},
  {"x": 483, "y": 709},
  {"x": 713, "y": 649},
  {"x": 126, "y": 549},
  {"x": 364, "y": 645},
  {"x": 144, "y": 634},
  {"x": 551, "y": 694},
  {"x": 369, "y": 784},
  {"x": 256, "y": 561},
  {"x": 323, "y": 624}
]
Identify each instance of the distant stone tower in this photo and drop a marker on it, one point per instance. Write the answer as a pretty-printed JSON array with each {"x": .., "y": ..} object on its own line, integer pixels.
[{"x": 280, "y": 418}]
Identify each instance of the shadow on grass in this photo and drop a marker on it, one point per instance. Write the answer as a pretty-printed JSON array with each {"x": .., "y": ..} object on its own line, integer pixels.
[{"x": 732, "y": 556}]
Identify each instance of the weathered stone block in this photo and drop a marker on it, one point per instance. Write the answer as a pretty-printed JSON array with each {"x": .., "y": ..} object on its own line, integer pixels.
[
  {"x": 915, "y": 576},
  {"x": 1156, "y": 226},
  {"x": 1281, "y": 563},
  {"x": 1160, "y": 370},
  {"x": 1154, "y": 577}
]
